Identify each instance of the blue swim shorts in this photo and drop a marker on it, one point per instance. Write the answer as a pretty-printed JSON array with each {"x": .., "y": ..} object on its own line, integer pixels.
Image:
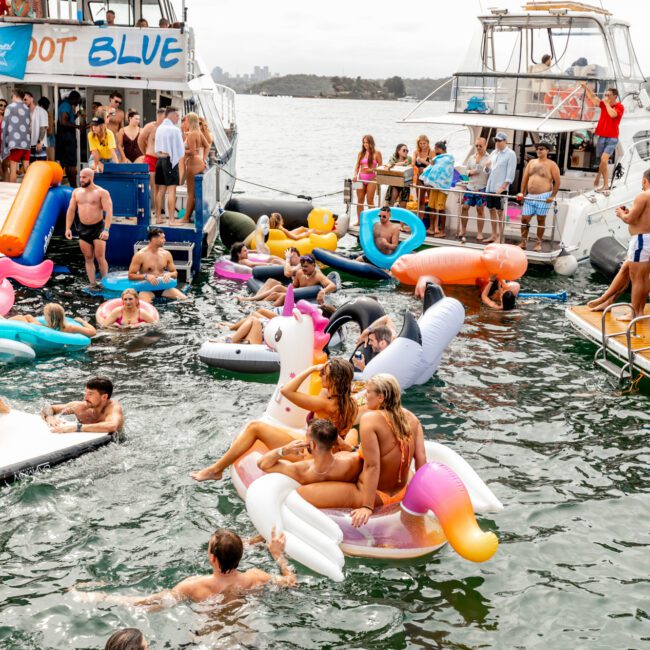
[{"x": 605, "y": 145}]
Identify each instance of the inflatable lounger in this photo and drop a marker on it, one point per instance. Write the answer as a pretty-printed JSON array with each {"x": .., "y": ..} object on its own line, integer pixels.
[
  {"x": 304, "y": 293},
  {"x": 349, "y": 264},
  {"x": 42, "y": 340},
  {"x": 27, "y": 445}
]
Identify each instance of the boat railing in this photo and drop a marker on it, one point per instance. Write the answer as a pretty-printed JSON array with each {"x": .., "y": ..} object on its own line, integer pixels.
[
  {"x": 640, "y": 161},
  {"x": 224, "y": 100},
  {"x": 528, "y": 95},
  {"x": 426, "y": 99}
]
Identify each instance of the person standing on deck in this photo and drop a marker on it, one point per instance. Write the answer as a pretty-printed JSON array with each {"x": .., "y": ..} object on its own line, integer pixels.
[
  {"x": 501, "y": 167},
  {"x": 39, "y": 126},
  {"x": 611, "y": 114},
  {"x": 113, "y": 114},
  {"x": 66, "y": 135},
  {"x": 16, "y": 135},
  {"x": 170, "y": 149},
  {"x": 146, "y": 143}
]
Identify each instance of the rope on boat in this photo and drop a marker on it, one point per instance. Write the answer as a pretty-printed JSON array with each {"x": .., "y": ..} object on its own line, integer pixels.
[{"x": 276, "y": 189}]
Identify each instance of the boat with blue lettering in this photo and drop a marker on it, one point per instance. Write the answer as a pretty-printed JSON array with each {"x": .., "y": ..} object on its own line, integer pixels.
[{"x": 144, "y": 51}]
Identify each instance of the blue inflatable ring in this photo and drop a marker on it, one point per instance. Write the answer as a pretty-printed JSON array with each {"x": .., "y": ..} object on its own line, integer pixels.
[
  {"x": 42, "y": 340},
  {"x": 119, "y": 280},
  {"x": 368, "y": 220}
]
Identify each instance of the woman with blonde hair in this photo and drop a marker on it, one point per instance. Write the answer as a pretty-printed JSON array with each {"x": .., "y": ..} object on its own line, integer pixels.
[
  {"x": 55, "y": 319},
  {"x": 277, "y": 221},
  {"x": 101, "y": 144},
  {"x": 196, "y": 147},
  {"x": 368, "y": 159},
  {"x": 334, "y": 403},
  {"x": 422, "y": 157},
  {"x": 129, "y": 313},
  {"x": 391, "y": 437}
]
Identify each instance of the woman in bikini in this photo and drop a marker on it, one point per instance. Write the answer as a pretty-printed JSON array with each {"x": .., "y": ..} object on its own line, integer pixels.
[
  {"x": 129, "y": 314},
  {"x": 391, "y": 437},
  {"x": 127, "y": 139},
  {"x": 334, "y": 403},
  {"x": 421, "y": 160},
  {"x": 367, "y": 161},
  {"x": 55, "y": 319},
  {"x": 196, "y": 148}
]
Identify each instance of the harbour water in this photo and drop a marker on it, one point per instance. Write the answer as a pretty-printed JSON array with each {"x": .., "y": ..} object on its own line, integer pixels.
[{"x": 559, "y": 443}]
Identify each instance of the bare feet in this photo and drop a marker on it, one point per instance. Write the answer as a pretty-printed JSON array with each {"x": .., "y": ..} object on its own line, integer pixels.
[
  {"x": 599, "y": 304},
  {"x": 207, "y": 474},
  {"x": 431, "y": 233},
  {"x": 461, "y": 235},
  {"x": 523, "y": 243},
  {"x": 479, "y": 237},
  {"x": 538, "y": 247},
  {"x": 626, "y": 316},
  {"x": 491, "y": 239}
]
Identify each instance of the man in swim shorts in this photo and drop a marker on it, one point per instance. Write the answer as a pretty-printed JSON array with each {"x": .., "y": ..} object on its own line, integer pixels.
[
  {"x": 539, "y": 187},
  {"x": 97, "y": 412},
  {"x": 384, "y": 233},
  {"x": 225, "y": 550},
  {"x": 92, "y": 202},
  {"x": 324, "y": 464},
  {"x": 154, "y": 264},
  {"x": 146, "y": 142},
  {"x": 636, "y": 267},
  {"x": 170, "y": 149}
]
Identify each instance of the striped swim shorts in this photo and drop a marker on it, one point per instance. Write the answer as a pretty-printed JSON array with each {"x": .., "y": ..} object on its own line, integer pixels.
[
  {"x": 639, "y": 248},
  {"x": 536, "y": 204}
]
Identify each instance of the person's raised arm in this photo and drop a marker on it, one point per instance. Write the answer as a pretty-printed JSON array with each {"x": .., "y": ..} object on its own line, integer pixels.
[
  {"x": 590, "y": 93},
  {"x": 641, "y": 203},
  {"x": 287, "y": 577},
  {"x": 369, "y": 477},
  {"x": 273, "y": 461},
  {"x": 69, "y": 215},
  {"x": 291, "y": 390}
]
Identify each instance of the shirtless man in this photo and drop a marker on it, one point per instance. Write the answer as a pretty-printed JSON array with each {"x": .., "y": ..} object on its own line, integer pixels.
[
  {"x": 385, "y": 234},
  {"x": 113, "y": 114},
  {"x": 146, "y": 142},
  {"x": 225, "y": 550},
  {"x": 154, "y": 264},
  {"x": 378, "y": 339},
  {"x": 391, "y": 437},
  {"x": 97, "y": 412},
  {"x": 309, "y": 275},
  {"x": 92, "y": 202},
  {"x": 324, "y": 464},
  {"x": 539, "y": 187},
  {"x": 636, "y": 267}
]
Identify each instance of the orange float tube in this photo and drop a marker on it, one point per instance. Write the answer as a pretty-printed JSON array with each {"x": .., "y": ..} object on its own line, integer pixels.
[
  {"x": 22, "y": 215},
  {"x": 451, "y": 265}
]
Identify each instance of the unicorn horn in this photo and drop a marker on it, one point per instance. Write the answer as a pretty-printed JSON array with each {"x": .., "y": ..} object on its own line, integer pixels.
[{"x": 288, "y": 302}]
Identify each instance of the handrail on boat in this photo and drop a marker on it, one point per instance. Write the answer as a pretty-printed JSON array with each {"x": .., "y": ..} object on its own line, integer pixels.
[
  {"x": 555, "y": 108},
  {"x": 628, "y": 338},
  {"x": 427, "y": 98},
  {"x": 630, "y": 150}
]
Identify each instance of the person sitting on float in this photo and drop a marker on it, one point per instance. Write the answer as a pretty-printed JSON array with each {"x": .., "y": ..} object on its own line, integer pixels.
[
  {"x": 277, "y": 222},
  {"x": 55, "y": 319},
  {"x": 378, "y": 339},
  {"x": 239, "y": 255},
  {"x": 499, "y": 294},
  {"x": 129, "y": 314},
  {"x": 385, "y": 234},
  {"x": 391, "y": 437},
  {"x": 309, "y": 275},
  {"x": 334, "y": 403},
  {"x": 399, "y": 194}
]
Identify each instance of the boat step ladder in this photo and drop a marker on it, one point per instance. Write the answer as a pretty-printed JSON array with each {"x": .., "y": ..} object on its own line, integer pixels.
[
  {"x": 182, "y": 252},
  {"x": 626, "y": 372}
]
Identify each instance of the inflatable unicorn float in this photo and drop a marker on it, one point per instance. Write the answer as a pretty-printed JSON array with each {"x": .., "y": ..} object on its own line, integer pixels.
[{"x": 438, "y": 506}]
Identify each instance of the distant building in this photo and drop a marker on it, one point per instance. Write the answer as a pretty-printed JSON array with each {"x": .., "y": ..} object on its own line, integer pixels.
[{"x": 260, "y": 73}]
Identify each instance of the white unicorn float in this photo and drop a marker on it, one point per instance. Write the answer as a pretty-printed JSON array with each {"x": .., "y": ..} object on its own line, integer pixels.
[{"x": 447, "y": 486}]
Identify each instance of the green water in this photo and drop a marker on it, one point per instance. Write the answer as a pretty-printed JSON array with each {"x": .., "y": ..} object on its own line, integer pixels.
[{"x": 516, "y": 395}]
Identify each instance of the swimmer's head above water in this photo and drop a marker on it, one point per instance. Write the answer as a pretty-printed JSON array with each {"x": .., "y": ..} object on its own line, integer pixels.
[
  {"x": 225, "y": 550},
  {"x": 98, "y": 391}
]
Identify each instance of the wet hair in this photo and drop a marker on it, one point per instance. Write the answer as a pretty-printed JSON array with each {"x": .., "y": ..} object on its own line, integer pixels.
[
  {"x": 397, "y": 149},
  {"x": 441, "y": 144},
  {"x": 154, "y": 232},
  {"x": 546, "y": 58},
  {"x": 102, "y": 385},
  {"x": 227, "y": 547},
  {"x": 130, "y": 638},
  {"x": 18, "y": 92},
  {"x": 382, "y": 333},
  {"x": 340, "y": 373},
  {"x": 323, "y": 433},
  {"x": 169, "y": 110},
  {"x": 371, "y": 149},
  {"x": 386, "y": 385},
  {"x": 276, "y": 221},
  {"x": 131, "y": 291},
  {"x": 508, "y": 300},
  {"x": 614, "y": 91},
  {"x": 54, "y": 316},
  {"x": 327, "y": 310},
  {"x": 235, "y": 249},
  {"x": 646, "y": 175},
  {"x": 44, "y": 102}
]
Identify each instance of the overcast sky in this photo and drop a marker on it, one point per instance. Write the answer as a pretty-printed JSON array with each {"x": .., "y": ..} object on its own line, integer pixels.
[{"x": 368, "y": 38}]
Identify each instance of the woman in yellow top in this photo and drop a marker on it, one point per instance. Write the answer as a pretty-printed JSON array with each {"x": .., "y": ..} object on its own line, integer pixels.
[{"x": 101, "y": 143}]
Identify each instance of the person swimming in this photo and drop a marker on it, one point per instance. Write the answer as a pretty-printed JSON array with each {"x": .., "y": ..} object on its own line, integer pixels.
[
  {"x": 55, "y": 319},
  {"x": 498, "y": 294},
  {"x": 129, "y": 314}
]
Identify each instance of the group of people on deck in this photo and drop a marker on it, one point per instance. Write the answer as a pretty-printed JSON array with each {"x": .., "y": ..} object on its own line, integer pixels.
[{"x": 489, "y": 177}]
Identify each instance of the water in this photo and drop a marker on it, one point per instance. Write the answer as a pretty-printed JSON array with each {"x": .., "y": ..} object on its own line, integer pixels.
[{"x": 561, "y": 446}]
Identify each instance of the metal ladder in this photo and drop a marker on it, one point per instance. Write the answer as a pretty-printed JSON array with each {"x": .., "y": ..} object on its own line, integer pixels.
[
  {"x": 600, "y": 358},
  {"x": 182, "y": 252}
]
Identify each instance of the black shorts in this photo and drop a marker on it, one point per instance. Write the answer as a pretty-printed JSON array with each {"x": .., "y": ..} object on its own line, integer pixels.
[
  {"x": 165, "y": 173},
  {"x": 494, "y": 202},
  {"x": 90, "y": 233},
  {"x": 37, "y": 155},
  {"x": 66, "y": 147}
]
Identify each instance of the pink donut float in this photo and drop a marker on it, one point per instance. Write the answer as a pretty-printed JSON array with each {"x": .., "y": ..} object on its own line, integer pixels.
[
  {"x": 225, "y": 268},
  {"x": 104, "y": 310}
]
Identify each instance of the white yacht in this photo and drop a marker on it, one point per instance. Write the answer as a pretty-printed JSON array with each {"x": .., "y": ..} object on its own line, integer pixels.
[{"x": 504, "y": 86}]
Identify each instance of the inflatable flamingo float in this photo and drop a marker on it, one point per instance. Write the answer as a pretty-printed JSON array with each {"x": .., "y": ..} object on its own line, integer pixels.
[
  {"x": 30, "y": 276},
  {"x": 451, "y": 490},
  {"x": 455, "y": 265}
]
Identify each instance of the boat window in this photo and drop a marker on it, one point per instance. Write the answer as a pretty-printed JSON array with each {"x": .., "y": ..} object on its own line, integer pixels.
[
  {"x": 582, "y": 151},
  {"x": 625, "y": 53},
  {"x": 123, "y": 11},
  {"x": 151, "y": 12},
  {"x": 642, "y": 142}
]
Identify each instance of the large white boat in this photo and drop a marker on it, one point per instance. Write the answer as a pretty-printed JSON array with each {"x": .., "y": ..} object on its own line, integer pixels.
[
  {"x": 69, "y": 45},
  {"x": 503, "y": 86}
]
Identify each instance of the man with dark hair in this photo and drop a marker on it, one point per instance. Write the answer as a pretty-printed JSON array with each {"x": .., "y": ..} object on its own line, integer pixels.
[
  {"x": 146, "y": 143},
  {"x": 225, "y": 550},
  {"x": 324, "y": 464},
  {"x": 97, "y": 412},
  {"x": 128, "y": 638},
  {"x": 385, "y": 234},
  {"x": 66, "y": 135},
  {"x": 16, "y": 135},
  {"x": 154, "y": 264},
  {"x": 113, "y": 115},
  {"x": 39, "y": 124},
  {"x": 611, "y": 114},
  {"x": 169, "y": 147},
  {"x": 110, "y": 18},
  {"x": 377, "y": 336}
]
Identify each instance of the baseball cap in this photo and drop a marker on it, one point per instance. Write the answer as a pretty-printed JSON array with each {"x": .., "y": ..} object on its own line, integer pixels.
[
  {"x": 543, "y": 143},
  {"x": 501, "y": 136},
  {"x": 96, "y": 121}
]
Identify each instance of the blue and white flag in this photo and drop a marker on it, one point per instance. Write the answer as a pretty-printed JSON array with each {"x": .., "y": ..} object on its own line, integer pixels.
[{"x": 14, "y": 50}]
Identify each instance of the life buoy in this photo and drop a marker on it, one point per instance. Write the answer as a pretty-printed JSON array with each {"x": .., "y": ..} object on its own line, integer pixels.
[
  {"x": 569, "y": 109},
  {"x": 589, "y": 107}
]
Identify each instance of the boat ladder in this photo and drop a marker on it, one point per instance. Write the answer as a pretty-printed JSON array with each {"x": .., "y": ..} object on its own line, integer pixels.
[
  {"x": 626, "y": 372},
  {"x": 182, "y": 252}
]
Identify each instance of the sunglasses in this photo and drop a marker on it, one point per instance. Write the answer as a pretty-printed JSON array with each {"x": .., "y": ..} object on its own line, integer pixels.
[
  {"x": 405, "y": 149},
  {"x": 307, "y": 259},
  {"x": 541, "y": 149},
  {"x": 479, "y": 146}
]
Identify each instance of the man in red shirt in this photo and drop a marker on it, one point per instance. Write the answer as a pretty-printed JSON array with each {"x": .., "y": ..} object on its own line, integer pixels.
[{"x": 611, "y": 112}]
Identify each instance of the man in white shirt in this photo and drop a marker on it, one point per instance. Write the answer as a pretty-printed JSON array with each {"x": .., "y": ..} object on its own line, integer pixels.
[
  {"x": 40, "y": 122},
  {"x": 501, "y": 167},
  {"x": 169, "y": 148}
]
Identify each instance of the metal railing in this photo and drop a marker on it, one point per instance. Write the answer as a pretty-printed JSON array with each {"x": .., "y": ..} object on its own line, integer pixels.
[{"x": 630, "y": 151}]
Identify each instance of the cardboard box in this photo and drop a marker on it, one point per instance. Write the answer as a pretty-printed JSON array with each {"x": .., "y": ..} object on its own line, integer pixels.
[
  {"x": 397, "y": 176},
  {"x": 581, "y": 159}
]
